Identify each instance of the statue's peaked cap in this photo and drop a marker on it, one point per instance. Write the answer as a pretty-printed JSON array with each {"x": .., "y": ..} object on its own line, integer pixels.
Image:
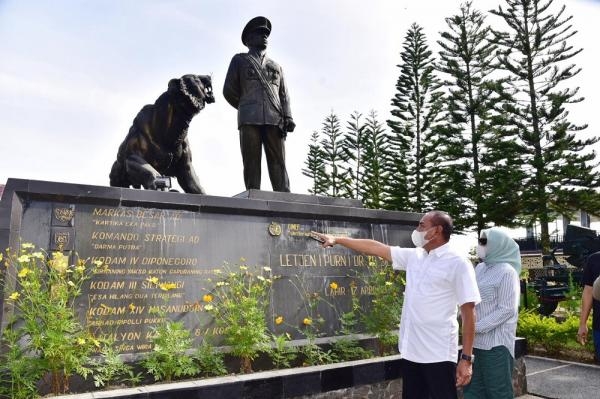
[{"x": 254, "y": 24}]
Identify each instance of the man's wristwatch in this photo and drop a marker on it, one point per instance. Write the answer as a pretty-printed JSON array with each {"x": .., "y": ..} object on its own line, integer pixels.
[{"x": 468, "y": 358}]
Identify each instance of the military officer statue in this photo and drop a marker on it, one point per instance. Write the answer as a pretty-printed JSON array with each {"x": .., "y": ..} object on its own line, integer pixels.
[{"x": 256, "y": 88}]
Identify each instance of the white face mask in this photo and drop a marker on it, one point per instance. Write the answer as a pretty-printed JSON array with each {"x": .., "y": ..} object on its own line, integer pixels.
[
  {"x": 481, "y": 252},
  {"x": 418, "y": 238}
]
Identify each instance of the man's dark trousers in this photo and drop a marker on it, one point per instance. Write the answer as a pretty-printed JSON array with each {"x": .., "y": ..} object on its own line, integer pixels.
[
  {"x": 252, "y": 139},
  {"x": 428, "y": 380}
]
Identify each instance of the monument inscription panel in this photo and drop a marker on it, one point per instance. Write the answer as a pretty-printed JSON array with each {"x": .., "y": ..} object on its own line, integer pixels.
[{"x": 161, "y": 260}]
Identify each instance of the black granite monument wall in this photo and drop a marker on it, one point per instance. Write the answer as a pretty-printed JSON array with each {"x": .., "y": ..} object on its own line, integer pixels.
[{"x": 183, "y": 238}]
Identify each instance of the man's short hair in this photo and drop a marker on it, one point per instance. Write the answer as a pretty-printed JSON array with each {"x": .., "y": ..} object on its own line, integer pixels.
[{"x": 439, "y": 218}]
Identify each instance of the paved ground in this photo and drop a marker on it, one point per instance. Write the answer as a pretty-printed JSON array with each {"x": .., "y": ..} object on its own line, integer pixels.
[{"x": 556, "y": 379}]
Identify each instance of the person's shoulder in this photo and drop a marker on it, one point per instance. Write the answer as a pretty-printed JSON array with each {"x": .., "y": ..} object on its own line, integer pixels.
[
  {"x": 449, "y": 252},
  {"x": 239, "y": 56},
  {"x": 593, "y": 261},
  {"x": 507, "y": 268},
  {"x": 595, "y": 257}
]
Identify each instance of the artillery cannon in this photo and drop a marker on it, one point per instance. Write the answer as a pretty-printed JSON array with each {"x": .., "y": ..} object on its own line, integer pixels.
[{"x": 554, "y": 283}]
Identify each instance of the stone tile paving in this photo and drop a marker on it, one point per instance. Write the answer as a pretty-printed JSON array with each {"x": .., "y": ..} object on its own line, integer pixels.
[{"x": 556, "y": 379}]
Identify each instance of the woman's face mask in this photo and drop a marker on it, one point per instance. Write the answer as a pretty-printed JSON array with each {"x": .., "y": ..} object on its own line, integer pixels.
[{"x": 480, "y": 251}]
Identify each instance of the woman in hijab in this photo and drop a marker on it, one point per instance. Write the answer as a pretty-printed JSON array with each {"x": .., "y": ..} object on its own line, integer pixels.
[{"x": 497, "y": 314}]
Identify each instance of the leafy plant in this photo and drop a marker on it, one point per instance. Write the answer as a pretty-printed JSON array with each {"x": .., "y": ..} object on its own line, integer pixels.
[
  {"x": 347, "y": 347},
  {"x": 547, "y": 332},
  {"x": 19, "y": 373},
  {"x": 46, "y": 327},
  {"x": 282, "y": 353},
  {"x": 238, "y": 304},
  {"x": 311, "y": 328},
  {"x": 210, "y": 362},
  {"x": 111, "y": 369},
  {"x": 169, "y": 356},
  {"x": 383, "y": 316}
]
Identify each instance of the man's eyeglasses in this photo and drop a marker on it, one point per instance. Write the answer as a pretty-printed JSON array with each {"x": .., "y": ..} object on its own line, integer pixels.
[{"x": 483, "y": 241}]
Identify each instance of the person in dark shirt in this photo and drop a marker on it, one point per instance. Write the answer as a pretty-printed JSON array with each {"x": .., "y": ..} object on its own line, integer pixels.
[{"x": 591, "y": 272}]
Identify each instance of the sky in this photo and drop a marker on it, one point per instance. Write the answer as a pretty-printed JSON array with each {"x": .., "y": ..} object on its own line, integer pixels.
[{"x": 74, "y": 73}]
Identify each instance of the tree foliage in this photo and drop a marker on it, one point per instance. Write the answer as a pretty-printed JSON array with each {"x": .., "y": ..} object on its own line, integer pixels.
[
  {"x": 315, "y": 166},
  {"x": 415, "y": 114},
  {"x": 335, "y": 158},
  {"x": 559, "y": 164},
  {"x": 476, "y": 140}
]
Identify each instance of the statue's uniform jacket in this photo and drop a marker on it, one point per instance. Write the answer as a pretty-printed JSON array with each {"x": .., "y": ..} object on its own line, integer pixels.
[{"x": 244, "y": 91}]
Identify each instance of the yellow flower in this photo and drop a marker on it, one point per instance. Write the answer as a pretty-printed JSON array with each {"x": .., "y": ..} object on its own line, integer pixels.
[
  {"x": 96, "y": 342},
  {"x": 38, "y": 255},
  {"x": 307, "y": 321},
  {"x": 333, "y": 286},
  {"x": 27, "y": 245},
  {"x": 23, "y": 259},
  {"x": 153, "y": 280},
  {"x": 59, "y": 262},
  {"x": 267, "y": 269},
  {"x": 70, "y": 283},
  {"x": 80, "y": 341},
  {"x": 80, "y": 268},
  {"x": 131, "y": 307},
  {"x": 220, "y": 283},
  {"x": 388, "y": 283},
  {"x": 209, "y": 307},
  {"x": 261, "y": 278},
  {"x": 243, "y": 267},
  {"x": 14, "y": 296},
  {"x": 167, "y": 286},
  {"x": 24, "y": 272},
  {"x": 279, "y": 320},
  {"x": 207, "y": 298}
]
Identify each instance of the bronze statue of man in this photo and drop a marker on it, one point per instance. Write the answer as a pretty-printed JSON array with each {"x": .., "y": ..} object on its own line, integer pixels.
[{"x": 256, "y": 88}]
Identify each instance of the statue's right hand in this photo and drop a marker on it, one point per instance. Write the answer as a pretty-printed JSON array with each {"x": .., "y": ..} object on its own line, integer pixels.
[{"x": 289, "y": 125}]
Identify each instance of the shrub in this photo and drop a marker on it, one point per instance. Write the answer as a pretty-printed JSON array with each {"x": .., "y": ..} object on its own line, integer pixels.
[
  {"x": 45, "y": 336},
  {"x": 547, "y": 332},
  {"x": 169, "y": 356},
  {"x": 238, "y": 303},
  {"x": 383, "y": 316}
]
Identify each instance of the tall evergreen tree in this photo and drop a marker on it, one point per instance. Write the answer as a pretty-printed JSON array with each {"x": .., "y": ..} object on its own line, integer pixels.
[
  {"x": 315, "y": 166},
  {"x": 475, "y": 137},
  {"x": 560, "y": 165},
  {"x": 354, "y": 147},
  {"x": 415, "y": 112},
  {"x": 334, "y": 157},
  {"x": 376, "y": 157}
]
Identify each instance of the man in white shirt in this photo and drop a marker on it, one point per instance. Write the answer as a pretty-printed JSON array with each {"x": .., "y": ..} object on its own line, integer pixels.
[{"x": 437, "y": 281}]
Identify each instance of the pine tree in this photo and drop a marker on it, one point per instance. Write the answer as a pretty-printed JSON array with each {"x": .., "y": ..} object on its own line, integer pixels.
[
  {"x": 415, "y": 112},
  {"x": 354, "y": 147},
  {"x": 315, "y": 167},
  {"x": 475, "y": 137},
  {"x": 560, "y": 166},
  {"x": 376, "y": 157},
  {"x": 334, "y": 157}
]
